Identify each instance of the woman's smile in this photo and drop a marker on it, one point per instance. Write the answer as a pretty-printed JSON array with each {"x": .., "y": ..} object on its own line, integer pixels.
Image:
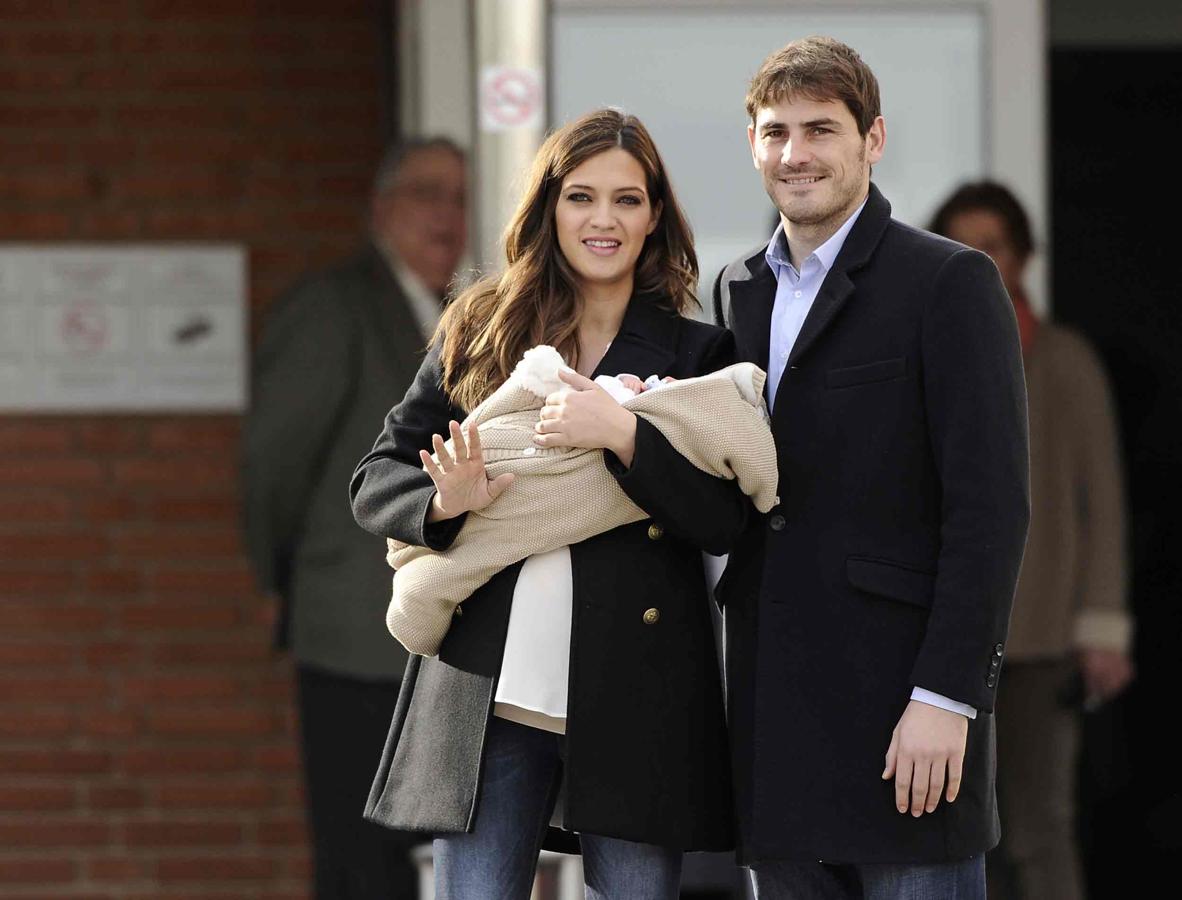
[{"x": 602, "y": 246}]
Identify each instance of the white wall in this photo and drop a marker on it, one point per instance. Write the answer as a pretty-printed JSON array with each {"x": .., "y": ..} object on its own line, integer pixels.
[
  {"x": 439, "y": 80},
  {"x": 685, "y": 76},
  {"x": 436, "y": 68}
]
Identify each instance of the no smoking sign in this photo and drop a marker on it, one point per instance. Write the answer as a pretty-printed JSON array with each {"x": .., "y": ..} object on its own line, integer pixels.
[{"x": 510, "y": 98}]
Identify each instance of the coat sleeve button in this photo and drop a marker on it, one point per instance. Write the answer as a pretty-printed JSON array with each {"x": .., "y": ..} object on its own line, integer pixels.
[
  {"x": 655, "y": 532},
  {"x": 998, "y": 648},
  {"x": 652, "y": 616},
  {"x": 777, "y": 522},
  {"x": 991, "y": 681}
]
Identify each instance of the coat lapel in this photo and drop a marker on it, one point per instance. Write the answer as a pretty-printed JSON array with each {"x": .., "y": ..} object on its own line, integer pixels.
[
  {"x": 644, "y": 344},
  {"x": 838, "y": 287},
  {"x": 751, "y": 311},
  {"x": 834, "y": 292}
]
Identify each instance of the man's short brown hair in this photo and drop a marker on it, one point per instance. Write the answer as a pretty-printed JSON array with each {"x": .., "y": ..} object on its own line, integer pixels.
[{"x": 819, "y": 68}]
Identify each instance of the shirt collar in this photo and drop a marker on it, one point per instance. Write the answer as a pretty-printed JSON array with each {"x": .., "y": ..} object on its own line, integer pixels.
[
  {"x": 425, "y": 306},
  {"x": 411, "y": 284},
  {"x": 777, "y": 249}
]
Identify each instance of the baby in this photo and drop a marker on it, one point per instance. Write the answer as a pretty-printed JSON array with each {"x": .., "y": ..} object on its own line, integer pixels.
[
  {"x": 625, "y": 387},
  {"x": 732, "y": 442}
]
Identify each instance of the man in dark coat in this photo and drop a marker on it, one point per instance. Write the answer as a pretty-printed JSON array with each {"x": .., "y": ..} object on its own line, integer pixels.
[
  {"x": 866, "y": 614},
  {"x": 338, "y": 351}
]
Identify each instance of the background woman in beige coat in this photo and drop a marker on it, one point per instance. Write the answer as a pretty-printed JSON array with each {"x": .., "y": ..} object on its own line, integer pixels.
[{"x": 1070, "y": 631}]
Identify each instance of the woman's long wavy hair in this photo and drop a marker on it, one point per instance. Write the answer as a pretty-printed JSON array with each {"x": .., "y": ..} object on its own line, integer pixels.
[{"x": 537, "y": 300}]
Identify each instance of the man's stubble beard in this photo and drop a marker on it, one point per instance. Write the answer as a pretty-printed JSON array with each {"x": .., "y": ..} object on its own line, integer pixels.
[{"x": 836, "y": 212}]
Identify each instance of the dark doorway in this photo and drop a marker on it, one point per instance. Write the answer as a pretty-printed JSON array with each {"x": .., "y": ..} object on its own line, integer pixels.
[{"x": 1116, "y": 126}]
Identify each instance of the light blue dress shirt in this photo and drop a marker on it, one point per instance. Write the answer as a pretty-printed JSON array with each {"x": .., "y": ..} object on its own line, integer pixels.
[{"x": 795, "y": 293}]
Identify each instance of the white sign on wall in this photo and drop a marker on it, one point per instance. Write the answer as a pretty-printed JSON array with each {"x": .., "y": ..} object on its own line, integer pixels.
[
  {"x": 127, "y": 328},
  {"x": 511, "y": 97}
]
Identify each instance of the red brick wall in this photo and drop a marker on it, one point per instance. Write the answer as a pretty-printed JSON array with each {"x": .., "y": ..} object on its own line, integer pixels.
[{"x": 146, "y": 731}]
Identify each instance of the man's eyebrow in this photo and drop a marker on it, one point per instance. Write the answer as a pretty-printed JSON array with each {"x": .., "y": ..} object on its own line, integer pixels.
[{"x": 812, "y": 123}]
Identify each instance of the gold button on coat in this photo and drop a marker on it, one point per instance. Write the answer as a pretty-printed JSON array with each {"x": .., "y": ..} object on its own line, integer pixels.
[
  {"x": 655, "y": 531},
  {"x": 652, "y": 616}
]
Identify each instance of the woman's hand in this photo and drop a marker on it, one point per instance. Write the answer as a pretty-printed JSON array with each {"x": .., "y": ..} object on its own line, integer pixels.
[
  {"x": 461, "y": 484},
  {"x": 586, "y": 417}
]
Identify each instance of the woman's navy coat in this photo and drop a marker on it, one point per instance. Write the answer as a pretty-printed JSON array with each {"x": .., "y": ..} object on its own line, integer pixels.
[{"x": 646, "y": 747}]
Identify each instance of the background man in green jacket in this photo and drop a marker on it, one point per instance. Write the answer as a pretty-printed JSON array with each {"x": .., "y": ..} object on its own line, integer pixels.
[{"x": 338, "y": 351}]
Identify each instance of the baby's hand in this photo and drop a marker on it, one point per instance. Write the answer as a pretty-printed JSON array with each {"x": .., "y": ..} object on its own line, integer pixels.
[
  {"x": 632, "y": 383},
  {"x": 654, "y": 381}
]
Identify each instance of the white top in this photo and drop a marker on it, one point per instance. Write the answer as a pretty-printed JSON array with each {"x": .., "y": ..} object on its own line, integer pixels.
[
  {"x": 536, "y": 663},
  {"x": 537, "y": 649}
]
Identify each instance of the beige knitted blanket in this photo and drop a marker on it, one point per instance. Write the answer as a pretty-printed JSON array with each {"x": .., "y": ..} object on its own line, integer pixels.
[{"x": 565, "y": 495}]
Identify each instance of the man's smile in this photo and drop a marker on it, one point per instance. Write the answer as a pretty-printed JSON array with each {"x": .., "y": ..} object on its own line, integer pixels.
[{"x": 801, "y": 180}]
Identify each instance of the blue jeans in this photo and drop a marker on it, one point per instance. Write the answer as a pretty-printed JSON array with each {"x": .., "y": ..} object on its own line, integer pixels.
[
  {"x": 964, "y": 880},
  {"x": 496, "y": 861}
]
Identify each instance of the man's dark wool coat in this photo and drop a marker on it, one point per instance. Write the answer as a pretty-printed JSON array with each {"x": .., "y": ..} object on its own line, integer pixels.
[{"x": 891, "y": 561}]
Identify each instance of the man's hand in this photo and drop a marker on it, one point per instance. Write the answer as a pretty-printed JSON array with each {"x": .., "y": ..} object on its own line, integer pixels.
[
  {"x": 1105, "y": 672},
  {"x": 586, "y": 417},
  {"x": 926, "y": 753}
]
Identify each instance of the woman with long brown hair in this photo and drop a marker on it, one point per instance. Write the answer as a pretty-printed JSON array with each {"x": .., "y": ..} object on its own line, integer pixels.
[{"x": 579, "y": 688}]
